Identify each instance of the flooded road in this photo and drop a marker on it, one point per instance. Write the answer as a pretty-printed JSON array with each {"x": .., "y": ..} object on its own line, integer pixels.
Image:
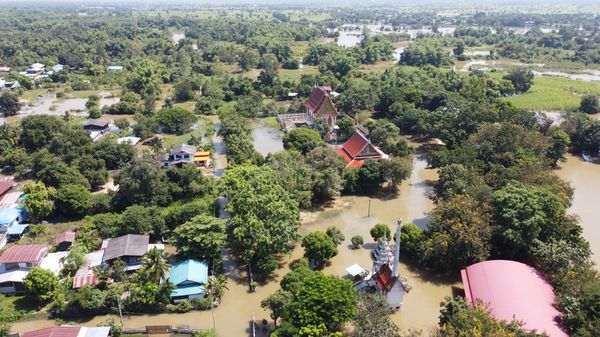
[
  {"x": 585, "y": 179},
  {"x": 220, "y": 155},
  {"x": 50, "y": 105},
  {"x": 234, "y": 315},
  {"x": 266, "y": 139}
]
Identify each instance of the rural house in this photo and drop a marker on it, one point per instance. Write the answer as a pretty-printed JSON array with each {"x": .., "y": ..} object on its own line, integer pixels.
[
  {"x": 69, "y": 331},
  {"x": 130, "y": 248},
  {"x": 15, "y": 264},
  {"x": 190, "y": 278},
  {"x": 185, "y": 154}
]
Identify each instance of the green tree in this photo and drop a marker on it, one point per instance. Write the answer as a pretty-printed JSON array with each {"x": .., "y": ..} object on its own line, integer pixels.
[
  {"x": 94, "y": 170},
  {"x": 92, "y": 102},
  {"x": 138, "y": 219},
  {"x": 380, "y": 231},
  {"x": 249, "y": 59},
  {"x": 264, "y": 216},
  {"x": 40, "y": 200},
  {"x": 521, "y": 79},
  {"x": 357, "y": 241},
  {"x": 113, "y": 154},
  {"x": 185, "y": 89},
  {"x": 459, "y": 234},
  {"x": 38, "y": 130},
  {"x": 9, "y": 104},
  {"x": 590, "y": 104},
  {"x": 325, "y": 300},
  {"x": 40, "y": 284},
  {"x": 293, "y": 172},
  {"x": 395, "y": 170},
  {"x": 249, "y": 105},
  {"x": 144, "y": 182},
  {"x": 146, "y": 79},
  {"x": 277, "y": 303},
  {"x": 319, "y": 247},
  {"x": 73, "y": 200},
  {"x": 148, "y": 296},
  {"x": 328, "y": 167},
  {"x": 175, "y": 120},
  {"x": 302, "y": 140},
  {"x": 373, "y": 317},
  {"x": 346, "y": 127},
  {"x": 335, "y": 234},
  {"x": 524, "y": 214},
  {"x": 560, "y": 143},
  {"x": 154, "y": 266},
  {"x": 202, "y": 237}
]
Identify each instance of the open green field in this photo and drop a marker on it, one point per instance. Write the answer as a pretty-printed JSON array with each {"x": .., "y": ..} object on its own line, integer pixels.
[
  {"x": 295, "y": 74},
  {"x": 554, "y": 94},
  {"x": 16, "y": 308}
]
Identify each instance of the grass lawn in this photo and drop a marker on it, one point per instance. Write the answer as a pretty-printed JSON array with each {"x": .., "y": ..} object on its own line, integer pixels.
[
  {"x": 295, "y": 74},
  {"x": 554, "y": 94},
  {"x": 271, "y": 122},
  {"x": 189, "y": 105},
  {"x": 47, "y": 233},
  {"x": 32, "y": 95},
  {"x": 172, "y": 140},
  {"x": 15, "y": 308}
]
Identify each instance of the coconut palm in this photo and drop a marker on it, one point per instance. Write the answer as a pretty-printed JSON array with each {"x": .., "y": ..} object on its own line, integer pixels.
[
  {"x": 157, "y": 146},
  {"x": 155, "y": 266}
]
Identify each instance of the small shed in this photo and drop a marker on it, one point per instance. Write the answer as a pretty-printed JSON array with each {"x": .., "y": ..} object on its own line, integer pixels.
[
  {"x": 356, "y": 270},
  {"x": 189, "y": 278},
  {"x": 16, "y": 232},
  {"x": 65, "y": 240}
]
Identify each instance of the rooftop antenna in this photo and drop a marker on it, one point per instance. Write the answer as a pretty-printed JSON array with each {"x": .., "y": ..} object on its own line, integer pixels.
[{"x": 397, "y": 248}]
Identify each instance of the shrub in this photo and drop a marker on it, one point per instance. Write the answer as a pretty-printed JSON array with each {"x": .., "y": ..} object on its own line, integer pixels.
[{"x": 357, "y": 241}]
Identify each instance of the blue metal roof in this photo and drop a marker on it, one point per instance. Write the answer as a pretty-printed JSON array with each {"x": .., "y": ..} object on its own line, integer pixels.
[
  {"x": 189, "y": 290},
  {"x": 17, "y": 229},
  {"x": 9, "y": 215},
  {"x": 189, "y": 270}
]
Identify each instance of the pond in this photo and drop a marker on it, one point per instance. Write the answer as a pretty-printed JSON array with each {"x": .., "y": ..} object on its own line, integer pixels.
[
  {"x": 239, "y": 307},
  {"x": 266, "y": 139}
]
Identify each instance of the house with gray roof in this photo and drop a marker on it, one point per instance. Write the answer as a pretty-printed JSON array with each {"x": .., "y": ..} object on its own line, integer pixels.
[
  {"x": 130, "y": 248},
  {"x": 179, "y": 155}
]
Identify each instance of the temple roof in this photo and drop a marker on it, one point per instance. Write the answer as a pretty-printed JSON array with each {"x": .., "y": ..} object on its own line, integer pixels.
[
  {"x": 358, "y": 148},
  {"x": 320, "y": 103}
]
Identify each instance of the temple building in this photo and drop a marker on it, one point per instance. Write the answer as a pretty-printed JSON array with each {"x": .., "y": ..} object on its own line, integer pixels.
[
  {"x": 359, "y": 148},
  {"x": 318, "y": 106},
  {"x": 385, "y": 278}
]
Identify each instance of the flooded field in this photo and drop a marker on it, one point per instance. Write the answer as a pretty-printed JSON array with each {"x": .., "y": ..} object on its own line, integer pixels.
[
  {"x": 239, "y": 307},
  {"x": 585, "y": 178},
  {"x": 49, "y": 104}
]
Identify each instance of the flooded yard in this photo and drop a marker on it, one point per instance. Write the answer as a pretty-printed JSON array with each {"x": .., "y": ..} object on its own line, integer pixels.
[
  {"x": 585, "y": 179},
  {"x": 350, "y": 214},
  {"x": 266, "y": 139}
]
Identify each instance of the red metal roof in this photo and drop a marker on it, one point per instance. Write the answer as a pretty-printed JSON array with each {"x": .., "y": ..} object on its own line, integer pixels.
[
  {"x": 5, "y": 185},
  {"x": 58, "y": 331},
  {"x": 315, "y": 98},
  {"x": 24, "y": 254},
  {"x": 355, "y": 144},
  {"x": 350, "y": 163},
  {"x": 83, "y": 278},
  {"x": 65, "y": 237},
  {"x": 513, "y": 290}
]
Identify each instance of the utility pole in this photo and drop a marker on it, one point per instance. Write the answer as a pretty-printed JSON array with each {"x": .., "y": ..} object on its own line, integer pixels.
[
  {"x": 369, "y": 212},
  {"x": 120, "y": 313}
]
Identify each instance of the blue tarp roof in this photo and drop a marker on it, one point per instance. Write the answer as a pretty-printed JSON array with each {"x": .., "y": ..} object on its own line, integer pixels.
[
  {"x": 189, "y": 290},
  {"x": 17, "y": 229},
  {"x": 9, "y": 215},
  {"x": 189, "y": 270}
]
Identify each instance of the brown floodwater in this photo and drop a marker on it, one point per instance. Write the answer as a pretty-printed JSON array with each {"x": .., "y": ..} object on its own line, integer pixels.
[
  {"x": 239, "y": 307},
  {"x": 585, "y": 179}
]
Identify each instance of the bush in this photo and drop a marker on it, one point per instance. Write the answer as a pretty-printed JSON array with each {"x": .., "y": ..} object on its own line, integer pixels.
[
  {"x": 590, "y": 104},
  {"x": 184, "y": 306},
  {"x": 202, "y": 303},
  {"x": 357, "y": 241}
]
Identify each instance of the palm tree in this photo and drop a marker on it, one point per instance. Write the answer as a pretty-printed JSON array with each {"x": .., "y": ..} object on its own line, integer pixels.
[
  {"x": 215, "y": 288},
  {"x": 155, "y": 266},
  {"x": 157, "y": 146}
]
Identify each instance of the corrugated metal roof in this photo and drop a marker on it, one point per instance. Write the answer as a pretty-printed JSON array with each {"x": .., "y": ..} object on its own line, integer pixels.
[
  {"x": 189, "y": 270},
  {"x": 9, "y": 215},
  {"x": 58, "y": 331},
  {"x": 126, "y": 245},
  {"x": 24, "y": 254},
  {"x": 17, "y": 229},
  {"x": 67, "y": 236},
  {"x": 189, "y": 290}
]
